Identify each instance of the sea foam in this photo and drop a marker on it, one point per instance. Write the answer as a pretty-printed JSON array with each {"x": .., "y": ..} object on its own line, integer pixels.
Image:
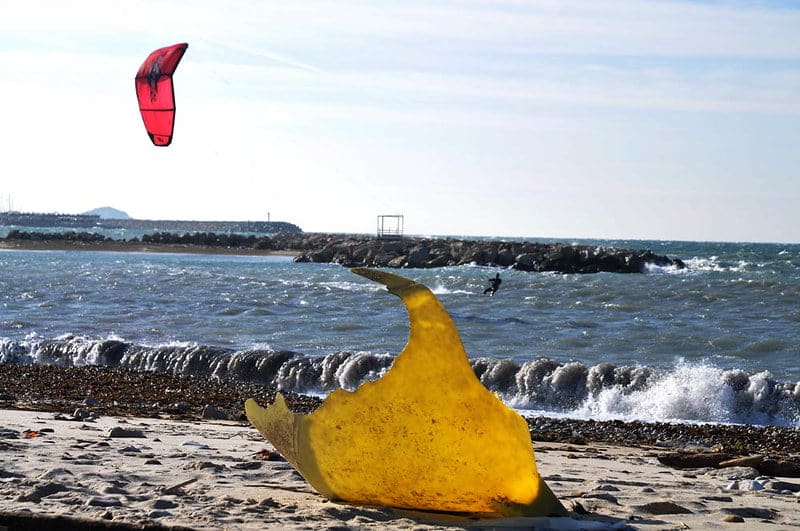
[{"x": 685, "y": 392}]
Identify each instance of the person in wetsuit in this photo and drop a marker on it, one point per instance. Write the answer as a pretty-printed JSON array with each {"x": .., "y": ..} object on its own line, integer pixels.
[{"x": 494, "y": 285}]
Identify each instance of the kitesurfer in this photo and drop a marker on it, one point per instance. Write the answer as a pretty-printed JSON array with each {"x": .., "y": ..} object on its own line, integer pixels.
[{"x": 494, "y": 285}]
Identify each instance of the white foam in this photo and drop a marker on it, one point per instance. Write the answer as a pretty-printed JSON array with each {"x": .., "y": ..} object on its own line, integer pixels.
[
  {"x": 654, "y": 269},
  {"x": 693, "y": 392}
]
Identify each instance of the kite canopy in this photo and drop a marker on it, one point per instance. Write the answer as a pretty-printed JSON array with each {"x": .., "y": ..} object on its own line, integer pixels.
[{"x": 156, "y": 94}]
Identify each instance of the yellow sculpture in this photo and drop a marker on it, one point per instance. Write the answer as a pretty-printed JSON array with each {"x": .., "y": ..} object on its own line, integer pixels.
[{"x": 427, "y": 435}]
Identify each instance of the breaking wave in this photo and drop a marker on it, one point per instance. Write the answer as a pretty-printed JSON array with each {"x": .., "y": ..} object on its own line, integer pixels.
[{"x": 686, "y": 392}]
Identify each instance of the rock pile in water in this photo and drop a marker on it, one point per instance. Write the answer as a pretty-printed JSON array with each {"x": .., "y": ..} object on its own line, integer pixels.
[
  {"x": 407, "y": 252},
  {"x": 524, "y": 256}
]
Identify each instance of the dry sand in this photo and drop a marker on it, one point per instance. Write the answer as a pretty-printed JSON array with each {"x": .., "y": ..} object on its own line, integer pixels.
[{"x": 222, "y": 475}]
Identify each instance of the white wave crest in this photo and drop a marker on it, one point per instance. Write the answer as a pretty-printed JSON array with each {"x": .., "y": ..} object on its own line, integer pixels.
[{"x": 698, "y": 392}]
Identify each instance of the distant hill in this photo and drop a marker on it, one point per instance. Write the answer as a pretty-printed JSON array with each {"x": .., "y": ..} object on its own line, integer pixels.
[{"x": 107, "y": 213}]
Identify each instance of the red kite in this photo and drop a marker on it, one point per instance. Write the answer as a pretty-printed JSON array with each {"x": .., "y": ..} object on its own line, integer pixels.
[{"x": 156, "y": 94}]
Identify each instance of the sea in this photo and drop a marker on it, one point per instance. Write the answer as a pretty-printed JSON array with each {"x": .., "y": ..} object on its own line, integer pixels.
[{"x": 716, "y": 342}]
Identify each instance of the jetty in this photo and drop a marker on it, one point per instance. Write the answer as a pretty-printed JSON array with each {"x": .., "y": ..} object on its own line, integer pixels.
[{"x": 367, "y": 251}]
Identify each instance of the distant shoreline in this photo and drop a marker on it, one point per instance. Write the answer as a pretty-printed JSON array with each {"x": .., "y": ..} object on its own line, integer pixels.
[
  {"x": 137, "y": 247},
  {"x": 365, "y": 251}
]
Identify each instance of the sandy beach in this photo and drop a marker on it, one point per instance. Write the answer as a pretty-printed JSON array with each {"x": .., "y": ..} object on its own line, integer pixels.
[{"x": 77, "y": 471}]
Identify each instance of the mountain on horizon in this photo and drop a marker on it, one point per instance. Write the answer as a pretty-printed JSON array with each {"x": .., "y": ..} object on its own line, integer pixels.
[{"x": 107, "y": 213}]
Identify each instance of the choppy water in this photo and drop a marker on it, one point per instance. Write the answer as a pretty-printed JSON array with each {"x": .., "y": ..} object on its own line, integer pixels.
[{"x": 717, "y": 342}]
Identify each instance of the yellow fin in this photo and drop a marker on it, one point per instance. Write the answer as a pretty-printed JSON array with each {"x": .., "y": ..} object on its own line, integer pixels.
[{"x": 427, "y": 435}]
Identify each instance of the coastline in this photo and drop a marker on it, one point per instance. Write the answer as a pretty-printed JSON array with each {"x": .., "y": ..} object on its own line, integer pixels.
[
  {"x": 369, "y": 251},
  {"x": 118, "y": 448},
  {"x": 137, "y": 247}
]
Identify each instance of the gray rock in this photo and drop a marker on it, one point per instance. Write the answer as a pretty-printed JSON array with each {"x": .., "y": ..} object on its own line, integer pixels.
[
  {"x": 663, "y": 507},
  {"x": 118, "y": 431},
  {"x": 782, "y": 486},
  {"x": 602, "y": 496},
  {"x": 606, "y": 487},
  {"x": 6, "y": 433},
  {"x": 163, "y": 503},
  {"x": 83, "y": 414},
  {"x": 746, "y": 485},
  {"x": 780, "y": 467},
  {"x": 751, "y": 512},
  {"x": 195, "y": 444},
  {"x": 180, "y": 407},
  {"x": 129, "y": 450},
  {"x": 418, "y": 256},
  {"x": 211, "y": 412}
]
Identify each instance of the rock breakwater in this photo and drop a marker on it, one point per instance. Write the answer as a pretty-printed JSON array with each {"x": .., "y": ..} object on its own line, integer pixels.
[
  {"x": 370, "y": 251},
  {"x": 524, "y": 256}
]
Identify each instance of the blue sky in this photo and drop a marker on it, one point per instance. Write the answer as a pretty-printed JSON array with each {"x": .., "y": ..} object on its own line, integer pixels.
[{"x": 609, "y": 119}]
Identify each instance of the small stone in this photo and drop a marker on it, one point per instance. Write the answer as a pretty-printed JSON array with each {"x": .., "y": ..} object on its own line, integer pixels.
[
  {"x": 158, "y": 514},
  {"x": 91, "y": 402},
  {"x": 268, "y": 502},
  {"x": 602, "y": 496},
  {"x": 213, "y": 413},
  {"x": 782, "y": 485},
  {"x": 732, "y": 518},
  {"x": 129, "y": 450},
  {"x": 180, "y": 407},
  {"x": 663, "y": 507},
  {"x": 163, "y": 503},
  {"x": 201, "y": 465},
  {"x": 6, "y": 433},
  {"x": 607, "y": 487},
  {"x": 117, "y": 431},
  {"x": 751, "y": 485},
  {"x": 195, "y": 444},
  {"x": 82, "y": 414},
  {"x": 247, "y": 465},
  {"x": 751, "y": 512}
]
